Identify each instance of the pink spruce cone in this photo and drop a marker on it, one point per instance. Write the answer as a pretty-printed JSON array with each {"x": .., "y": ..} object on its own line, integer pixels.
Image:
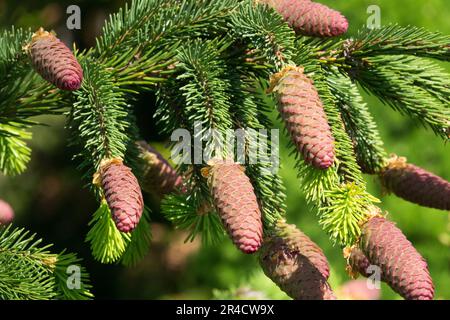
[
  {"x": 122, "y": 193},
  {"x": 54, "y": 61},
  {"x": 310, "y": 18},
  {"x": 159, "y": 177},
  {"x": 296, "y": 264},
  {"x": 6, "y": 213},
  {"x": 415, "y": 184},
  {"x": 236, "y": 203},
  {"x": 402, "y": 267},
  {"x": 302, "y": 111}
]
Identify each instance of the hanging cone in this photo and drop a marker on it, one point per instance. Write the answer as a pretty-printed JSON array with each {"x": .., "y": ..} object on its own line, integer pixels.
[
  {"x": 54, "y": 61},
  {"x": 415, "y": 184},
  {"x": 236, "y": 204},
  {"x": 402, "y": 267},
  {"x": 302, "y": 111},
  {"x": 296, "y": 264},
  {"x": 310, "y": 18},
  {"x": 158, "y": 178},
  {"x": 122, "y": 193},
  {"x": 6, "y": 213}
]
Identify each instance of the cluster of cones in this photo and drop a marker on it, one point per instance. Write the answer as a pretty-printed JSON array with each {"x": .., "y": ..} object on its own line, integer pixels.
[{"x": 295, "y": 263}]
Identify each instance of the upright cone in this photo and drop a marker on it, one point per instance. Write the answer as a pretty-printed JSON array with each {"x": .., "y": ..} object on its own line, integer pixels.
[
  {"x": 122, "y": 193},
  {"x": 415, "y": 184},
  {"x": 402, "y": 267},
  {"x": 236, "y": 204},
  {"x": 159, "y": 178},
  {"x": 296, "y": 264},
  {"x": 302, "y": 111},
  {"x": 54, "y": 61},
  {"x": 310, "y": 18}
]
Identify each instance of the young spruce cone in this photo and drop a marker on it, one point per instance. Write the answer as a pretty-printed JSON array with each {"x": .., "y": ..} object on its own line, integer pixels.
[
  {"x": 310, "y": 18},
  {"x": 301, "y": 109},
  {"x": 6, "y": 213},
  {"x": 296, "y": 264},
  {"x": 402, "y": 267},
  {"x": 415, "y": 184},
  {"x": 159, "y": 178},
  {"x": 236, "y": 204},
  {"x": 122, "y": 193},
  {"x": 54, "y": 61}
]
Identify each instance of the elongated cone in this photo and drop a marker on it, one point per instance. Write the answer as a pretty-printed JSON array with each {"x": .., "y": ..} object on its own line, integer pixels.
[
  {"x": 302, "y": 111},
  {"x": 6, "y": 213},
  {"x": 122, "y": 193},
  {"x": 54, "y": 61},
  {"x": 296, "y": 264},
  {"x": 415, "y": 184},
  {"x": 310, "y": 18},
  {"x": 402, "y": 267},
  {"x": 159, "y": 178},
  {"x": 236, "y": 204}
]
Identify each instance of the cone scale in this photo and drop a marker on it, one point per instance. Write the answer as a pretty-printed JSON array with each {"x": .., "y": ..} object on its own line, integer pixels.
[
  {"x": 236, "y": 203},
  {"x": 300, "y": 107},
  {"x": 54, "y": 61},
  {"x": 296, "y": 264},
  {"x": 310, "y": 18},
  {"x": 415, "y": 184},
  {"x": 402, "y": 267},
  {"x": 159, "y": 177},
  {"x": 122, "y": 193}
]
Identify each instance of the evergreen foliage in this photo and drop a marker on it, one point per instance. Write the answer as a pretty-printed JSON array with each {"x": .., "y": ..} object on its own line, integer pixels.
[{"x": 209, "y": 62}]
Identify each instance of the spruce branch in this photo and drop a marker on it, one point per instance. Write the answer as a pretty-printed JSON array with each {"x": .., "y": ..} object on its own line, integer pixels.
[
  {"x": 194, "y": 214},
  {"x": 399, "y": 40},
  {"x": 107, "y": 243},
  {"x": 411, "y": 86},
  {"x": 28, "y": 270},
  {"x": 265, "y": 30},
  {"x": 99, "y": 119},
  {"x": 359, "y": 123}
]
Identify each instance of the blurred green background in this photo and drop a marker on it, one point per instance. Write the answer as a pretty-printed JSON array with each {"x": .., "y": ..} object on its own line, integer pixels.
[{"x": 50, "y": 198}]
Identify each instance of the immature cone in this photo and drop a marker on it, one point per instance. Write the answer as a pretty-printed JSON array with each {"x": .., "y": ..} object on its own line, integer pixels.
[
  {"x": 415, "y": 184},
  {"x": 310, "y": 18},
  {"x": 402, "y": 267},
  {"x": 6, "y": 213},
  {"x": 54, "y": 61},
  {"x": 236, "y": 204},
  {"x": 296, "y": 264},
  {"x": 122, "y": 193},
  {"x": 159, "y": 178},
  {"x": 302, "y": 111}
]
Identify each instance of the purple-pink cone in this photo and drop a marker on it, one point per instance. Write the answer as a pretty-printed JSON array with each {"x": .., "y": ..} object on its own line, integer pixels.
[
  {"x": 122, "y": 193},
  {"x": 158, "y": 177},
  {"x": 54, "y": 61},
  {"x": 415, "y": 184},
  {"x": 6, "y": 213},
  {"x": 310, "y": 18},
  {"x": 402, "y": 267},
  {"x": 301, "y": 108},
  {"x": 296, "y": 264},
  {"x": 236, "y": 203}
]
